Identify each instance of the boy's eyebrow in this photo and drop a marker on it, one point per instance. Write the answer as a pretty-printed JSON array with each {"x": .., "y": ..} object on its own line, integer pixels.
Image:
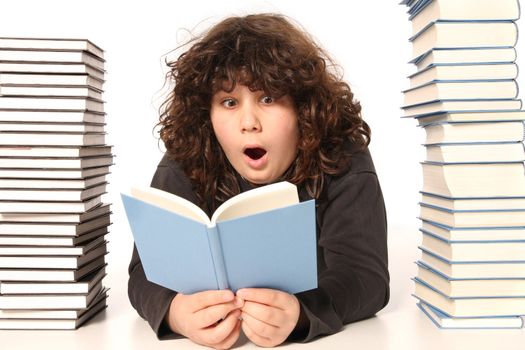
[{"x": 222, "y": 92}]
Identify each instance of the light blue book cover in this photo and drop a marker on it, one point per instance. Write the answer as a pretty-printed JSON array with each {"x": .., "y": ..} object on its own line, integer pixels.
[{"x": 273, "y": 249}]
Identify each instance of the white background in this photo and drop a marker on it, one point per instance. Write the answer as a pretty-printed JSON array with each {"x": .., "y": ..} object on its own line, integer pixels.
[{"x": 367, "y": 38}]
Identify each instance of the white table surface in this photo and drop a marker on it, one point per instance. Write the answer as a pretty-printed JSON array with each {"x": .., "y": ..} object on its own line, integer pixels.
[{"x": 401, "y": 325}]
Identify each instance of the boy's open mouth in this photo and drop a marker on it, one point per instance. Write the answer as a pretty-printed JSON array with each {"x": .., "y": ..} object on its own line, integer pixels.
[{"x": 255, "y": 153}]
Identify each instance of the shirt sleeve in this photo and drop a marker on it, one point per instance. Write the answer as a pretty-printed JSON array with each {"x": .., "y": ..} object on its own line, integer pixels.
[
  {"x": 149, "y": 299},
  {"x": 353, "y": 279}
]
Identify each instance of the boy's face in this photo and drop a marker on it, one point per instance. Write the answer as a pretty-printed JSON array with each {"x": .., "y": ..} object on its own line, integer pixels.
[{"x": 258, "y": 134}]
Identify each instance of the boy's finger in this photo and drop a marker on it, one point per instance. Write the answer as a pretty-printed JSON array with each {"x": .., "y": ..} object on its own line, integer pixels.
[
  {"x": 264, "y": 313},
  {"x": 208, "y": 298},
  {"x": 254, "y": 337},
  {"x": 270, "y": 297},
  {"x": 218, "y": 333},
  {"x": 215, "y": 313},
  {"x": 261, "y": 328},
  {"x": 231, "y": 338}
]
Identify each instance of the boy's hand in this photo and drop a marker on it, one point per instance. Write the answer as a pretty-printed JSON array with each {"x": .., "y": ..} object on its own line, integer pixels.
[
  {"x": 208, "y": 318},
  {"x": 268, "y": 315}
]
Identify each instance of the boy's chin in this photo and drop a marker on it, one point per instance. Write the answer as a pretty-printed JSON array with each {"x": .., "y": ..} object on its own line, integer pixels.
[{"x": 257, "y": 180}]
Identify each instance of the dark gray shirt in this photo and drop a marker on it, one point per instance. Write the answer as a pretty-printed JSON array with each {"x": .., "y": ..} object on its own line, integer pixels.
[{"x": 353, "y": 279}]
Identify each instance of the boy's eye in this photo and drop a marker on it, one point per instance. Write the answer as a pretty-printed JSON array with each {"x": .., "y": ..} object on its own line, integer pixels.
[
  {"x": 267, "y": 99},
  {"x": 229, "y": 102}
]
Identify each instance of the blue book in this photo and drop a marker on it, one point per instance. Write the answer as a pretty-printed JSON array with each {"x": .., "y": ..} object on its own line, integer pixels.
[
  {"x": 494, "y": 306},
  {"x": 472, "y": 269},
  {"x": 425, "y": 12},
  {"x": 461, "y": 90},
  {"x": 473, "y": 234},
  {"x": 465, "y": 56},
  {"x": 263, "y": 238},
  {"x": 470, "y": 287},
  {"x": 478, "y": 251},
  {"x": 470, "y": 117},
  {"x": 445, "y": 321},
  {"x": 468, "y": 133},
  {"x": 474, "y": 180},
  {"x": 463, "y": 72},
  {"x": 432, "y": 108},
  {"x": 441, "y": 34},
  {"x": 473, "y": 218},
  {"x": 475, "y": 152}
]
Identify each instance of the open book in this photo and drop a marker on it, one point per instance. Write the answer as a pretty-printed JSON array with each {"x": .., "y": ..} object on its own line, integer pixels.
[{"x": 260, "y": 238}]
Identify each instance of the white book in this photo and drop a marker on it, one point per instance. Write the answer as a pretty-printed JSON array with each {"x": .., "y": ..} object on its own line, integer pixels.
[
  {"x": 52, "y": 324},
  {"x": 48, "y": 207},
  {"x": 53, "y": 229},
  {"x": 474, "y": 132},
  {"x": 30, "y": 55},
  {"x": 460, "y": 90},
  {"x": 479, "y": 251},
  {"x": 52, "y": 184},
  {"x": 52, "y": 195},
  {"x": 51, "y": 44},
  {"x": 32, "y": 79},
  {"x": 52, "y": 319},
  {"x": 47, "y": 275},
  {"x": 69, "y": 91},
  {"x": 43, "y": 314},
  {"x": 51, "y": 262},
  {"x": 51, "y": 250},
  {"x": 60, "y": 163},
  {"x": 454, "y": 106},
  {"x": 58, "y": 241},
  {"x": 479, "y": 116},
  {"x": 465, "y": 287},
  {"x": 447, "y": 322},
  {"x": 464, "y": 35},
  {"x": 52, "y": 139},
  {"x": 54, "y": 174},
  {"x": 98, "y": 211},
  {"x": 36, "y": 301},
  {"x": 55, "y": 151},
  {"x": 455, "y": 269},
  {"x": 51, "y": 103},
  {"x": 458, "y": 56},
  {"x": 474, "y": 180},
  {"x": 463, "y": 72},
  {"x": 470, "y": 307},
  {"x": 472, "y": 10},
  {"x": 52, "y": 68},
  {"x": 51, "y": 116},
  {"x": 51, "y": 127},
  {"x": 475, "y": 152}
]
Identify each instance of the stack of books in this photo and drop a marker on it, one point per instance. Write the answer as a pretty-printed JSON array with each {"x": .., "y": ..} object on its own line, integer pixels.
[
  {"x": 471, "y": 273},
  {"x": 53, "y": 167}
]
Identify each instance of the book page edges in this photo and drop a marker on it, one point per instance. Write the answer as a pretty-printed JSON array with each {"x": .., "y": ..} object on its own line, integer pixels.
[
  {"x": 258, "y": 200},
  {"x": 170, "y": 202}
]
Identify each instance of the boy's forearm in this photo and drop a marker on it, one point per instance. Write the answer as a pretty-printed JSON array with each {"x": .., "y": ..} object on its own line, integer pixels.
[{"x": 149, "y": 299}]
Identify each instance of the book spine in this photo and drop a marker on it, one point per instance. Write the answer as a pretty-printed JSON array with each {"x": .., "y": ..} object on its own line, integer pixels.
[{"x": 217, "y": 257}]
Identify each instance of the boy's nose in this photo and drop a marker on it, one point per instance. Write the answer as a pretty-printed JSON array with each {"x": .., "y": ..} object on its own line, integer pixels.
[{"x": 250, "y": 120}]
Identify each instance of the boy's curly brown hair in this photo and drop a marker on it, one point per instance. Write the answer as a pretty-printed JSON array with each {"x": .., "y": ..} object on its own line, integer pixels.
[{"x": 263, "y": 52}]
